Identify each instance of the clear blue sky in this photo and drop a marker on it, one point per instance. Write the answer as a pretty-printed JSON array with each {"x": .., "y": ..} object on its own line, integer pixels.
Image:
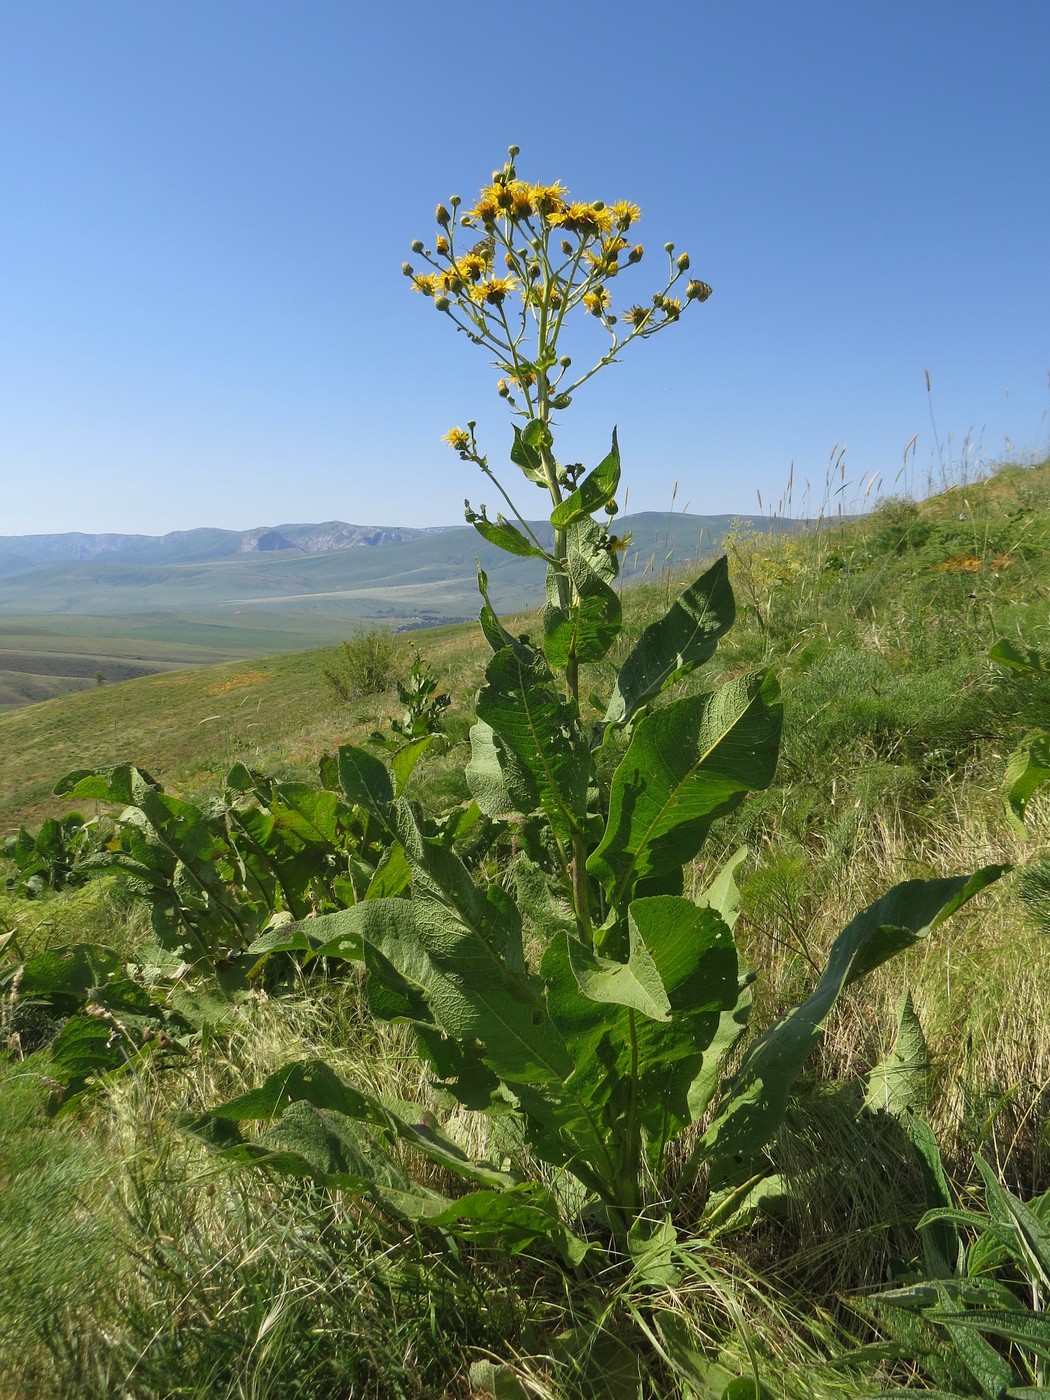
[{"x": 204, "y": 207}]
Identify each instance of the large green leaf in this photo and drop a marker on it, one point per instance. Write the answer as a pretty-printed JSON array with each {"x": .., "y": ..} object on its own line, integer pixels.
[
  {"x": 539, "y": 728},
  {"x": 366, "y": 782},
  {"x": 635, "y": 983},
  {"x": 525, "y": 451},
  {"x": 693, "y": 953},
  {"x": 758, "y": 1095},
  {"x": 680, "y": 641},
  {"x": 595, "y": 491},
  {"x": 1027, "y": 769},
  {"x": 586, "y": 631},
  {"x": 450, "y": 945},
  {"x": 497, "y": 781},
  {"x": 686, "y": 765},
  {"x": 504, "y": 535},
  {"x": 314, "y": 1082},
  {"x": 899, "y": 1083},
  {"x": 1018, "y": 658}
]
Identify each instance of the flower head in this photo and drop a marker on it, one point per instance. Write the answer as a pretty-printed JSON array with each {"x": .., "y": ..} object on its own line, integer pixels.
[
  {"x": 457, "y": 438},
  {"x": 429, "y": 283},
  {"x": 625, "y": 213},
  {"x": 549, "y": 199},
  {"x": 493, "y": 291},
  {"x": 585, "y": 219}
]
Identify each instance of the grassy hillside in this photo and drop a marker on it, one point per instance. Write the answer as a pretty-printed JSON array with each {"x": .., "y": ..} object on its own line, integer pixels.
[{"x": 897, "y": 730}]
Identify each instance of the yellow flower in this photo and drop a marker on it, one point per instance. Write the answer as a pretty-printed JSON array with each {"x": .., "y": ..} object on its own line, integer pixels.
[
  {"x": 671, "y": 307},
  {"x": 494, "y": 291},
  {"x": 429, "y": 283},
  {"x": 549, "y": 199},
  {"x": 515, "y": 199},
  {"x": 597, "y": 302},
  {"x": 487, "y": 207},
  {"x": 625, "y": 213},
  {"x": 457, "y": 438},
  {"x": 583, "y": 218},
  {"x": 472, "y": 266}
]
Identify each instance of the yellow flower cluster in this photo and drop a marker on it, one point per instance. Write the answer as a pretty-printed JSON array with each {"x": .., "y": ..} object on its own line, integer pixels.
[{"x": 508, "y": 250}]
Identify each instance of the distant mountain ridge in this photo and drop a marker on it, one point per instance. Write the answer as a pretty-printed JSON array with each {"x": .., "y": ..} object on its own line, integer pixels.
[{"x": 19, "y": 553}]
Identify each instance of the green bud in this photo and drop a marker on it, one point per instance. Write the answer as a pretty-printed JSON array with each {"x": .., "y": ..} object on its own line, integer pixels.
[
  {"x": 513, "y": 151},
  {"x": 442, "y": 216},
  {"x": 561, "y": 401},
  {"x": 668, "y": 247},
  {"x": 682, "y": 262},
  {"x": 455, "y": 201},
  {"x": 417, "y": 245},
  {"x": 566, "y": 247},
  {"x": 441, "y": 303},
  {"x": 565, "y": 361},
  {"x": 407, "y": 269},
  {"x": 611, "y": 509}
]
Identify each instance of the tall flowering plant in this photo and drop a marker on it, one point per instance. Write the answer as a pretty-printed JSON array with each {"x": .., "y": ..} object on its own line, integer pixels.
[
  {"x": 537, "y": 260},
  {"x": 573, "y": 988}
]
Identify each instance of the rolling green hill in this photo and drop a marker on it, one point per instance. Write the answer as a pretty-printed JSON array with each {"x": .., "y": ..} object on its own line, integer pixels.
[{"x": 63, "y": 624}]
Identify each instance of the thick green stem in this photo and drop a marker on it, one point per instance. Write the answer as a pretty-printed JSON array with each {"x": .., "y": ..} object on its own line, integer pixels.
[{"x": 580, "y": 884}]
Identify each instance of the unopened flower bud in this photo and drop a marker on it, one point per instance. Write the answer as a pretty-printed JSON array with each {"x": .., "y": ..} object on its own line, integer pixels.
[
  {"x": 668, "y": 247},
  {"x": 636, "y": 254},
  {"x": 441, "y": 303},
  {"x": 565, "y": 361},
  {"x": 561, "y": 401},
  {"x": 698, "y": 291},
  {"x": 417, "y": 245},
  {"x": 682, "y": 262},
  {"x": 406, "y": 268},
  {"x": 611, "y": 509},
  {"x": 442, "y": 215},
  {"x": 455, "y": 201},
  {"x": 503, "y": 389},
  {"x": 513, "y": 151},
  {"x": 566, "y": 247},
  {"x": 441, "y": 246}
]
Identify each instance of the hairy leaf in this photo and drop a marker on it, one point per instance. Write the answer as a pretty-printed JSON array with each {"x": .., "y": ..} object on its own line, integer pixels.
[
  {"x": 680, "y": 641},
  {"x": 686, "y": 765}
]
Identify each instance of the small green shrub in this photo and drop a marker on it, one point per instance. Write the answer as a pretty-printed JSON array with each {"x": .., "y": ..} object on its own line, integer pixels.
[{"x": 365, "y": 665}]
